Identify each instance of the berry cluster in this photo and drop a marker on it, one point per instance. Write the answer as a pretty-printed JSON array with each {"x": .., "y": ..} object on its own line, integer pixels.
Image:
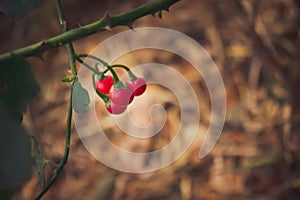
[{"x": 117, "y": 94}]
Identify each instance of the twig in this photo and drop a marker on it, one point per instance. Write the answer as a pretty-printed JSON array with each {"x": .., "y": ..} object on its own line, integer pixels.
[
  {"x": 69, "y": 118},
  {"x": 88, "y": 66},
  {"x": 70, "y": 47},
  {"x": 66, "y": 153},
  {"x": 106, "y": 23}
]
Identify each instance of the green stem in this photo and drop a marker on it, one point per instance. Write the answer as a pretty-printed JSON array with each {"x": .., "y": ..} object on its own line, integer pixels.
[
  {"x": 69, "y": 45},
  {"x": 104, "y": 97},
  {"x": 117, "y": 84},
  {"x": 125, "y": 19},
  {"x": 71, "y": 53},
  {"x": 88, "y": 66},
  {"x": 121, "y": 66},
  {"x": 51, "y": 163},
  {"x": 131, "y": 75},
  {"x": 116, "y": 79},
  {"x": 102, "y": 62},
  {"x": 105, "y": 64},
  {"x": 66, "y": 152}
]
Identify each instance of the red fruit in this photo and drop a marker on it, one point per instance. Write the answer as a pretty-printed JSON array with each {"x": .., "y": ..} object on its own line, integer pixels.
[
  {"x": 123, "y": 96},
  {"x": 103, "y": 85},
  {"x": 115, "y": 109},
  {"x": 139, "y": 86}
]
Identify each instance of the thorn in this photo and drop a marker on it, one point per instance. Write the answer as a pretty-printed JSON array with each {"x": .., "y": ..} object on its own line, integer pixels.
[
  {"x": 63, "y": 23},
  {"x": 108, "y": 28},
  {"x": 160, "y": 14},
  {"x": 153, "y": 14},
  {"x": 42, "y": 43},
  {"x": 130, "y": 25},
  {"x": 78, "y": 24},
  {"x": 167, "y": 9},
  {"x": 105, "y": 17},
  {"x": 40, "y": 56}
]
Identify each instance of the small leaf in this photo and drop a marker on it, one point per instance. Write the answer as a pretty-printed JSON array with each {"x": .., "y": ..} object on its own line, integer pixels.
[
  {"x": 17, "y": 8},
  {"x": 80, "y": 99},
  {"x": 15, "y": 151},
  {"x": 17, "y": 84},
  {"x": 68, "y": 79}
]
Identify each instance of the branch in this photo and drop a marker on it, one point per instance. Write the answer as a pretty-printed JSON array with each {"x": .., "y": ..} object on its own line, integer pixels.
[
  {"x": 69, "y": 118},
  {"x": 64, "y": 28},
  {"x": 66, "y": 154},
  {"x": 106, "y": 23}
]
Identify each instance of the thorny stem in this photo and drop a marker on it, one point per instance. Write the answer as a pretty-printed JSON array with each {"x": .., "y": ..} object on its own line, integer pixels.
[
  {"x": 69, "y": 45},
  {"x": 66, "y": 153},
  {"x": 106, "y": 23},
  {"x": 71, "y": 53}
]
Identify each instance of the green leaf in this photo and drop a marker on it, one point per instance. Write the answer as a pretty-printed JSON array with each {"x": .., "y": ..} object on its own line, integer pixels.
[
  {"x": 15, "y": 151},
  {"x": 17, "y": 87},
  {"x": 80, "y": 98},
  {"x": 17, "y": 84},
  {"x": 67, "y": 79},
  {"x": 17, "y": 8}
]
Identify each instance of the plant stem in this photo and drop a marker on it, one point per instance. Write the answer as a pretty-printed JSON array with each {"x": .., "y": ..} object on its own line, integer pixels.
[
  {"x": 106, "y": 23},
  {"x": 102, "y": 62},
  {"x": 104, "y": 97},
  {"x": 131, "y": 75},
  {"x": 88, "y": 66},
  {"x": 66, "y": 153},
  {"x": 121, "y": 66},
  {"x": 71, "y": 53},
  {"x": 116, "y": 79},
  {"x": 69, "y": 45}
]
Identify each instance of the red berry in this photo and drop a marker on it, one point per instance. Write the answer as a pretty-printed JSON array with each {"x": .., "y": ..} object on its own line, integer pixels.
[
  {"x": 115, "y": 109},
  {"x": 103, "y": 85},
  {"x": 123, "y": 96},
  {"x": 139, "y": 86}
]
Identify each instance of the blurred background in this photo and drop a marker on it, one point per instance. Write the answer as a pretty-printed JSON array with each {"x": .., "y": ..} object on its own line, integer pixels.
[{"x": 256, "y": 46}]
